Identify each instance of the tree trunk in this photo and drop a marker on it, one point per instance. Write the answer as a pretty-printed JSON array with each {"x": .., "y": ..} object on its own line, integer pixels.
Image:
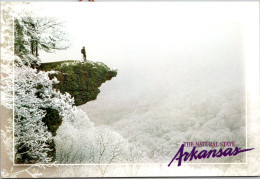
[
  {"x": 36, "y": 49},
  {"x": 32, "y": 50}
]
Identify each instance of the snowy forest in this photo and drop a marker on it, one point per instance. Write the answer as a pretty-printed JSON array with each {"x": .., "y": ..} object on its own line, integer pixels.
[
  {"x": 48, "y": 125},
  {"x": 64, "y": 114}
]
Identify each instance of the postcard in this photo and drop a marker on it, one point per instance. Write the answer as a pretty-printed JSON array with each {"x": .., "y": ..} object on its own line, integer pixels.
[{"x": 130, "y": 89}]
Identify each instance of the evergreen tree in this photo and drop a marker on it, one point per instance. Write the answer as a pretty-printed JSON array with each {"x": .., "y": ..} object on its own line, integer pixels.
[
  {"x": 33, "y": 34},
  {"x": 38, "y": 107},
  {"x": 38, "y": 110},
  {"x": 32, "y": 138}
]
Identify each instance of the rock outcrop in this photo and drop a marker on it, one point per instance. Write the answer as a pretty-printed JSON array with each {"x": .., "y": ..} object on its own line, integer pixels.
[{"x": 80, "y": 79}]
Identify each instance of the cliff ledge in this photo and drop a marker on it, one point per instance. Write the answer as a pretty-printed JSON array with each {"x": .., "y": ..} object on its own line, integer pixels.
[{"x": 80, "y": 79}]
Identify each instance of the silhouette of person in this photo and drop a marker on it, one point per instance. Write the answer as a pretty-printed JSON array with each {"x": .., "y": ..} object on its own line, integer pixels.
[{"x": 83, "y": 51}]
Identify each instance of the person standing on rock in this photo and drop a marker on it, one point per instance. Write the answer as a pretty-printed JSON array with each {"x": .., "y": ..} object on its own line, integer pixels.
[{"x": 83, "y": 51}]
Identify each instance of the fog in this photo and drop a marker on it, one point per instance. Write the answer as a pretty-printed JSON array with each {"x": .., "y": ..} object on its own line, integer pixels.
[
  {"x": 161, "y": 47},
  {"x": 180, "y": 66}
]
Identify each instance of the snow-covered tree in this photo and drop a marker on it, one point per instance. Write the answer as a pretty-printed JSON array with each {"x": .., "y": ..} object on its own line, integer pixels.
[
  {"x": 107, "y": 147},
  {"x": 6, "y": 44},
  {"x": 33, "y": 34},
  {"x": 34, "y": 96},
  {"x": 38, "y": 107},
  {"x": 32, "y": 138},
  {"x": 73, "y": 136},
  {"x": 78, "y": 141}
]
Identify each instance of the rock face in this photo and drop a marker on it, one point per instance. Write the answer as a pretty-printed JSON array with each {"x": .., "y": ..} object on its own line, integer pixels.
[{"x": 80, "y": 79}]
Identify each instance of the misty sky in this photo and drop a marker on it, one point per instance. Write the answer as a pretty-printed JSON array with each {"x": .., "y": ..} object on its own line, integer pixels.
[{"x": 161, "y": 50}]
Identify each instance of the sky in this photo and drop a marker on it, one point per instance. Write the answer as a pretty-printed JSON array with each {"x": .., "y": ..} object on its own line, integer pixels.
[
  {"x": 111, "y": 30},
  {"x": 159, "y": 48}
]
